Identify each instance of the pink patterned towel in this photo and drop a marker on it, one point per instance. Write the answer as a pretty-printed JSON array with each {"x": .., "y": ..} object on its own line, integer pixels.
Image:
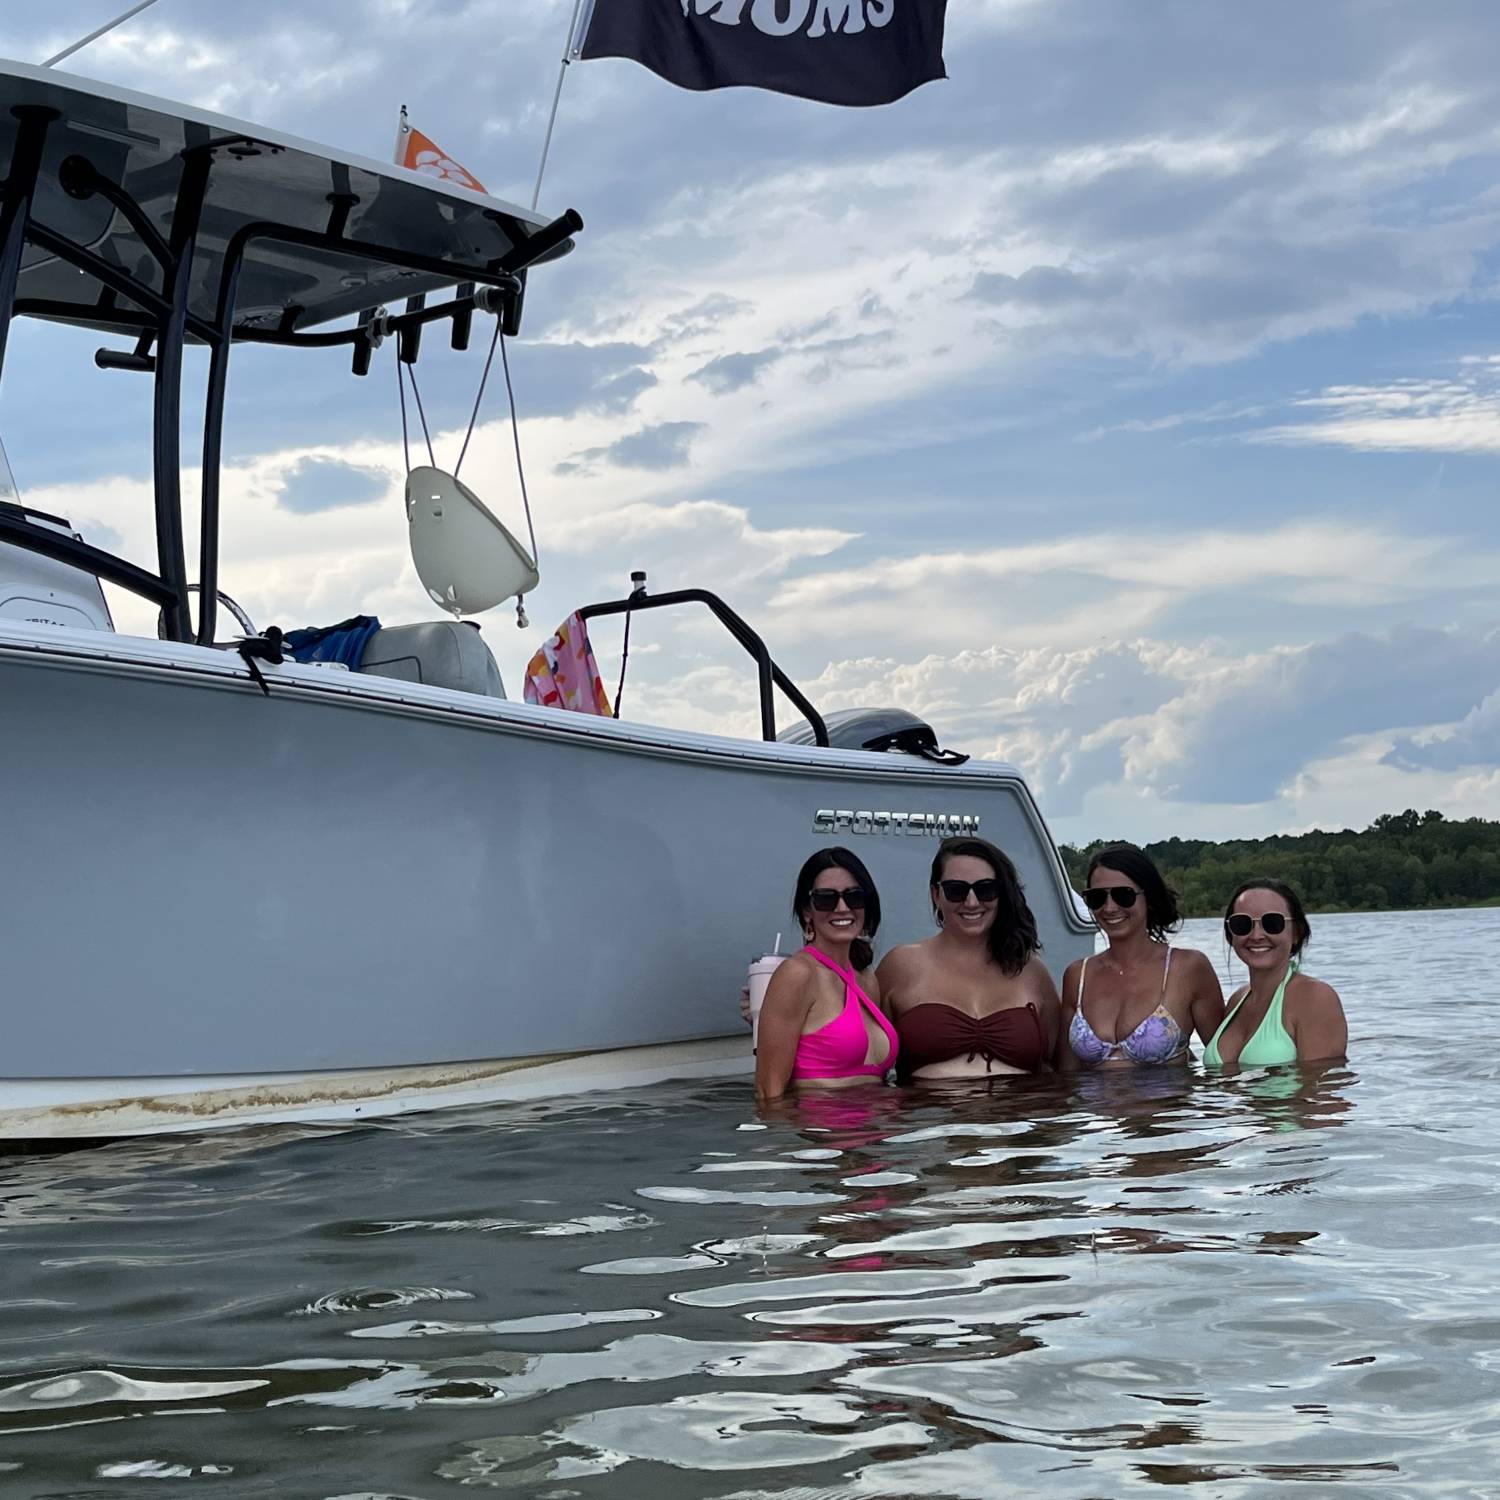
[{"x": 564, "y": 674}]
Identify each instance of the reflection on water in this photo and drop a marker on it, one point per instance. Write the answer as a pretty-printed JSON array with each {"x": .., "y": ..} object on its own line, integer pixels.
[{"x": 1043, "y": 1288}]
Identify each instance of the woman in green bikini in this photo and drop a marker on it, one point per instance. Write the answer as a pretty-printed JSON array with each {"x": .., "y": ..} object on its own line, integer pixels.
[{"x": 1282, "y": 1015}]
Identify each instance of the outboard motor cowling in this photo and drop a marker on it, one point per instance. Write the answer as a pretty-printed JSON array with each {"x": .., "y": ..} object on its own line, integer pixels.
[{"x": 876, "y": 729}]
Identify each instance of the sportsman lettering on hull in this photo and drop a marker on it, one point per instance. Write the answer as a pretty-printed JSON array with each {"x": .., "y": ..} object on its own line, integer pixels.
[{"x": 832, "y": 820}]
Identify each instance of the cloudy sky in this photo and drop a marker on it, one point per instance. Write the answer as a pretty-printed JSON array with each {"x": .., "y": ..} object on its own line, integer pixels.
[{"x": 1127, "y": 404}]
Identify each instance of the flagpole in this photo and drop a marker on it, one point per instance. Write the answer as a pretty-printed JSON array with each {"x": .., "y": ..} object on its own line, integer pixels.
[
  {"x": 562, "y": 73},
  {"x": 94, "y": 36},
  {"x": 402, "y": 128}
]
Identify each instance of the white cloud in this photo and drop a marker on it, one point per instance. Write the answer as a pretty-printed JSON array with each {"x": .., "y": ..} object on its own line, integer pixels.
[
  {"x": 1145, "y": 724},
  {"x": 1457, "y": 414},
  {"x": 1473, "y": 741},
  {"x": 1243, "y": 731},
  {"x": 778, "y": 308},
  {"x": 1083, "y": 588}
]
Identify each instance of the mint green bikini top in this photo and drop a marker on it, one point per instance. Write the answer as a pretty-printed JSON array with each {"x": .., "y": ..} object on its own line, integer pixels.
[{"x": 1271, "y": 1044}]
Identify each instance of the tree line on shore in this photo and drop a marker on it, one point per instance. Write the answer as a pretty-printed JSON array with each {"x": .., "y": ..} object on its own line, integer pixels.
[{"x": 1402, "y": 860}]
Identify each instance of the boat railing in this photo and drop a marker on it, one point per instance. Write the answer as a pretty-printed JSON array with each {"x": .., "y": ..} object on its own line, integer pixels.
[
  {"x": 64, "y": 547},
  {"x": 770, "y": 675}
]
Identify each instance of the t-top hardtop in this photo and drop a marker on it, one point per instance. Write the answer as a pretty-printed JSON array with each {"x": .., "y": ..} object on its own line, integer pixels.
[{"x": 137, "y": 216}]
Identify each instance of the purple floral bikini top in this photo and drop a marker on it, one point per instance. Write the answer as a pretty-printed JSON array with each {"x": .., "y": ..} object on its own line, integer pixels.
[{"x": 1158, "y": 1039}]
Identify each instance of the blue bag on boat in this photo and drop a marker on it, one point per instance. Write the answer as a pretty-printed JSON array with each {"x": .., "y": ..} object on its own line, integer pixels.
[{"x": 344, "y": 642}]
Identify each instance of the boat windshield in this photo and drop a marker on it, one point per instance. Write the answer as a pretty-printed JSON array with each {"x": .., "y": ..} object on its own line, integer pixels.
[{"x": 9, "y": 494}]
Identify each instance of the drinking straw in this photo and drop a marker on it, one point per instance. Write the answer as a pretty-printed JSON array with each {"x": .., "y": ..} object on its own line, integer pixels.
[{"x": 777, "y": 948}]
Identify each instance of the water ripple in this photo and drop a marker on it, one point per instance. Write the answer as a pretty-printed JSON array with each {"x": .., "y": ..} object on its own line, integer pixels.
[
  {"x": 372, "y": 1299},
  {"x": 1093, "y": 1285}
]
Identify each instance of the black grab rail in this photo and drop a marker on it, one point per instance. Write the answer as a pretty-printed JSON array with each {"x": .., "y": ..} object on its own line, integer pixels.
[
  {"x": 767, "y": 670},
  {"x": 17, "y": 531}
]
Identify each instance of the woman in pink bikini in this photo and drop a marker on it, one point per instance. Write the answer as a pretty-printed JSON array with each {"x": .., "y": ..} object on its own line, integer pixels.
[
  {"x": 821, "y": 1024},
  {"x": 1140, "y": 1001}
]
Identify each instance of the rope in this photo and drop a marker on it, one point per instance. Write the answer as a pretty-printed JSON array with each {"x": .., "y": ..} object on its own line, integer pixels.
[
  {"x": 405, "y": 443},
  {"x": 515, "y": 429},
  {"x": 416, "y": 391},
  {"x": 478, "y": 397},
  {"x": 624, "y": 657}
]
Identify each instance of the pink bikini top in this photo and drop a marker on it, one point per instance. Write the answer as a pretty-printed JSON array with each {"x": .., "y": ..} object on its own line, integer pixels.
[{"x": 838, "y": 1049}]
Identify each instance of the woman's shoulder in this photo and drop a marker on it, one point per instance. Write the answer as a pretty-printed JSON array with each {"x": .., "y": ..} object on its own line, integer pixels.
[
  {"x": 1072, "y": 983},
  {"x": 799, "y": 969},
  {"x": 900, "y": 974},
  {"x": 798, "y": 983},
  {"x": 903, "y": 958},
  {"x": 1312, "y": 993},
  {"x": 1192, "y": 963},
  {"x": 1037, "y": 976}
]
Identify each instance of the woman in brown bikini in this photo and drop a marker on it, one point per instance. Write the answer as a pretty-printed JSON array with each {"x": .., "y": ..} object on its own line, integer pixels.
[{"x": 973, "y": 1001}]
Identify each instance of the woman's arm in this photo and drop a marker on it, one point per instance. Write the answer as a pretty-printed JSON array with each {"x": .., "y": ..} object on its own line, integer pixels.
[
  {"x": 1317, "y": 1023},
  {"x": 783, "y": 1013},
  {"x": 1206, "y": 998},
  {"x": 1064, "y": 1059},
  {"x": 1044, "y": 992},
  {"x": 889, "y": 976}
]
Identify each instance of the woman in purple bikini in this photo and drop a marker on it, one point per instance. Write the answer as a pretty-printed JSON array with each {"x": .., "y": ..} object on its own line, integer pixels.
[
  {"x": 821, "y": 1025},
  {"x": 1139, "y": 1001}
]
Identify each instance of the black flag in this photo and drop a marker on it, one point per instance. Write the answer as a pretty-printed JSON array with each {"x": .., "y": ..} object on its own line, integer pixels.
[{"x": 838, "y": 51}]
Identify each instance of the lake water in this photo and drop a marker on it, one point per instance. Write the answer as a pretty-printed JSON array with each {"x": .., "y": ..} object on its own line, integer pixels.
[{"x": 1094, "y": 1290}]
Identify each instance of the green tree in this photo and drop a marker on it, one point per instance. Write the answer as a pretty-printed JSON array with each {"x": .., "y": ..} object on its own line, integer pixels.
[{"x": 1402, "y": 859}]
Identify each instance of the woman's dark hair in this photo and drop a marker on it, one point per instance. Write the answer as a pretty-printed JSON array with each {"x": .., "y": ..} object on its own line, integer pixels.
[
  {"x": 1013, "y": 937},
  {"x": 861, "y": 953},
  {"x": 1162, "y": 915},
  {"x": 1301, "y": 927}
]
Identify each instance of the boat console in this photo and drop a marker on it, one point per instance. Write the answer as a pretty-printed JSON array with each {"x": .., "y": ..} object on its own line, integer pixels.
[{"x": 440, "y": 653}]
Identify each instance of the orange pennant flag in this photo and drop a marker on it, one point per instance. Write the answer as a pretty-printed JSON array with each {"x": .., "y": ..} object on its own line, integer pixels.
[{"x": 422, "y": 154}]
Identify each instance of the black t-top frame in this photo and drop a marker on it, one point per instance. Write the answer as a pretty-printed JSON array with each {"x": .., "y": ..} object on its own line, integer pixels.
[{"x": 166, "y": 224}]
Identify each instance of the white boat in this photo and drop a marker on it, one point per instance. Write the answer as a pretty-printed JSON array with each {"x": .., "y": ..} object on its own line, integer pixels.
[{"x": 240, "y": 889}]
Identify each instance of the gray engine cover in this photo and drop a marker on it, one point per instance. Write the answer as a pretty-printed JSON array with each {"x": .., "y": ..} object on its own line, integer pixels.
[{"x": 862, "y": 729}]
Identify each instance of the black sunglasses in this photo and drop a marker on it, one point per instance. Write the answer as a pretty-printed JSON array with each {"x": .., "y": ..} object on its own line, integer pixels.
[
  {"x": 1273, "y": 924},
  {"x": 957, "y": 891},
  {"x": 825, "y": 900},
  {"x": 1096, "y": 895}
]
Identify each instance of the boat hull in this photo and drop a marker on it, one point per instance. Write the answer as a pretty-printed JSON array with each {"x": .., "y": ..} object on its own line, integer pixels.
[
  {"x": 205, "y": 881},
  {"x": 86, "y": 1109}
]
